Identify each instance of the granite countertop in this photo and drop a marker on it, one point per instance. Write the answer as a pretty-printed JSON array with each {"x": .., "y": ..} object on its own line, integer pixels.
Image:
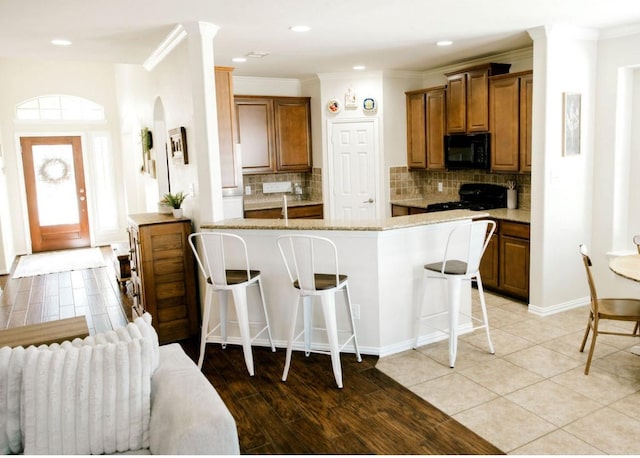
[
  {"x": 273, "y": 203},
  {"x": 517, "y": 215},
  {"x": 381, "y": 224}
]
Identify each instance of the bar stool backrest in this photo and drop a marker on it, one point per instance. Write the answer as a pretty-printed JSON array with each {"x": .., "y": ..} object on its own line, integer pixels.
[
  {"x": 302, "y": 256},
  {"x": 215, "y": 249},
  {"x": 469, "y": 242}
]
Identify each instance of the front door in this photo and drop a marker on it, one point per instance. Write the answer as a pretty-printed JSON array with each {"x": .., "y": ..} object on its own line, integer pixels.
[
  {"x": 353, "y": 181},
  {"x": 56, "y": 198}
]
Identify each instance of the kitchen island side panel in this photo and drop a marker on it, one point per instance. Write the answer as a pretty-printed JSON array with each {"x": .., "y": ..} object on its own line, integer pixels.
[{"x": 385, "y": 275}]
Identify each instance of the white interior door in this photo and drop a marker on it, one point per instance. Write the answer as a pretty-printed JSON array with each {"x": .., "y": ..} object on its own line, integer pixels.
[{"x": 352, "y": 152}]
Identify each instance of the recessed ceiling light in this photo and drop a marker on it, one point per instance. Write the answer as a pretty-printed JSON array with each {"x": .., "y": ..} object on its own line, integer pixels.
[
  {"x": 299, "y": 28},
  {"x": 60, "y": 42},
  {"x": 359, "y": 67},
  {"x": 239, "y": 59},
  {"x": 444, "y": 43}
]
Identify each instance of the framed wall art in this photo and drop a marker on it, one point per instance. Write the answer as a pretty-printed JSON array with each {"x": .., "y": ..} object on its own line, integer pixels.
[
  {"x": 178, "y": 140},
  {"x": 571, "y": 106},
  {"x": 350, "y": 100}
]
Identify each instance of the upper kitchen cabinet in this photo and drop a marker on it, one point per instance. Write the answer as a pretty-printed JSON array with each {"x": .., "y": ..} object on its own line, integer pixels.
[
  {"x": 274, "y": 133},
  {"x": 468, "y": 98},
  {"x": 510, "y": 113},
  {"x": 426, "y": 128},
  {"x": 226, "y": 128}
]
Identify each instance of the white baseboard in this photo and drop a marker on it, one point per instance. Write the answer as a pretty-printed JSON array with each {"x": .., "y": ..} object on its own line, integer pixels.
[{"x": 557, "y": 308}]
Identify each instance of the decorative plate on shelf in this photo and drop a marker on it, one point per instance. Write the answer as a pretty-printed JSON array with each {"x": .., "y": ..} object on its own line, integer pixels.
[
  {"x": 334, "y": 106},
  {"x": 369, "y": 104}
]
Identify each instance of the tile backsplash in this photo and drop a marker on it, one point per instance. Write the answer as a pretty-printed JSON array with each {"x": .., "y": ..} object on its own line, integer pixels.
[
  {"x": 404, "y": 183},
  {"x": 407, "y": 184},
  {"x": 311, "y": 184}
]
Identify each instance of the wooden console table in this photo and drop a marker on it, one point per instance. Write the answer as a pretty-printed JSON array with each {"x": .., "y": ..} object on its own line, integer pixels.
[{"x": 45, "y": 333}]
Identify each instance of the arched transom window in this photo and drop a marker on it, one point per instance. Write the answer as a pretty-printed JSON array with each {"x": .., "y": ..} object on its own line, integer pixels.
[{"x": 59, "y": 108}]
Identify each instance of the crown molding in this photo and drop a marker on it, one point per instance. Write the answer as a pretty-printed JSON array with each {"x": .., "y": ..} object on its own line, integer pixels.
[{"x": 168, "y": 44}]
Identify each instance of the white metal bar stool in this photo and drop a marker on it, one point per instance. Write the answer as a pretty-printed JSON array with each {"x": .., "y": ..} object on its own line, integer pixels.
[
  {"x": 300, "y": 254},
  {"x": 465, "y": 246},
  {"x": 215, "y": 247}
]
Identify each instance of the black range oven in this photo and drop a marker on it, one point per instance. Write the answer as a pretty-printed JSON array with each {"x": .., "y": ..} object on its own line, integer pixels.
[{"x": 475, "y": 196}]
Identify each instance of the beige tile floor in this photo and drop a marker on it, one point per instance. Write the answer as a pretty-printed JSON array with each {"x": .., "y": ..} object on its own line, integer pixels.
[{"x": 532, "y": 397}]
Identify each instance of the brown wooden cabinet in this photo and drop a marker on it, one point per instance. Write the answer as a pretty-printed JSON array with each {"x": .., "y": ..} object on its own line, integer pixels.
[
  {"x": 274, "y": 133},
  {"x": 314, "y": 211},
  {"x": 403, "y": 210},
  {"x": 226, "y": 127},
  {"x": 163, "y": 274},
  {"x": 514, "y": 259},
  {"x": 426, "y": 128},
  {"x": 505, "y": 263},
  {"x": 510, "y": 99},
  {"x": 490, "y": 265},
  {"x": 526, "y": 121},
  {"x": 467, "y": 99}
]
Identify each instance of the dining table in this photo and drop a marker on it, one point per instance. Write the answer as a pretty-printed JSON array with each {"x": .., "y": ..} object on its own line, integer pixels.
[{"x": 627, "y": 266}]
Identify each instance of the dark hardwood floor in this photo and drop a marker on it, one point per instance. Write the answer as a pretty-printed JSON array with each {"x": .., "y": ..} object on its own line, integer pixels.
[
  {"x": 94, "y": 293},
  {"x": 372, "y": 414},
  {"x": 307, "y": 414}
]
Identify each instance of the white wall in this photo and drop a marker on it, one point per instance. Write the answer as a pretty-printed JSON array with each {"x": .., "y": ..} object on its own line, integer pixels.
[
  {"x": 24, "y": 79},
  {"x": 6, "y": 237},
  {"x": 616, "y": 215},
  {"x": 564, "y": 61},
  {"x": 134, "y": 111}
]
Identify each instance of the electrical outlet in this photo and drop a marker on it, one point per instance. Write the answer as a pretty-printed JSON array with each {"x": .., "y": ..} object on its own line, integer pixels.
[
  {"x": 247, "y": 190},
  {"x": 356, "y": 311},
  {"x": 439, "y": 186}
]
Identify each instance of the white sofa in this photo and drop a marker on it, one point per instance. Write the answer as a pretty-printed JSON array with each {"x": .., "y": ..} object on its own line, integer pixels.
[
  {"x": 187, "y": 414},
  {"x": 114, "y": 392}
]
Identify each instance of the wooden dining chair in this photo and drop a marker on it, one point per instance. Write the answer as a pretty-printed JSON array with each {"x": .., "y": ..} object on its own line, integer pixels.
[{"x": 616, "y": 309}]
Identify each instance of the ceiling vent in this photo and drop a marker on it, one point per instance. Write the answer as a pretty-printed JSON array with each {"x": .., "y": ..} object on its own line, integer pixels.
[{"x": 258, "y": 54}]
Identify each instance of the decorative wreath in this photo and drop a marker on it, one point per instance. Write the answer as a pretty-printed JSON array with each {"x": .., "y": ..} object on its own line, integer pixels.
[{"x": 53, "y": 171}]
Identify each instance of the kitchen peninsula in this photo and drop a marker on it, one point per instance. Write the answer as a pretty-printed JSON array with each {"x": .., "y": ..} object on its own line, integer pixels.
[{"x": 383, "y": 258}]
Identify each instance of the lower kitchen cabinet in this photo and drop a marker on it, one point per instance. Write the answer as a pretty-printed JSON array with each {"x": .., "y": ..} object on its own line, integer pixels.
[
  {"x": 314, "y": 211},
  {"x": 163, "y": 274},
  {"x": 505, "y": 263},
  {"x": 514, "y": 259},
  {"x": 401, "y": 210},
  {"x": 490, "y": 265}
]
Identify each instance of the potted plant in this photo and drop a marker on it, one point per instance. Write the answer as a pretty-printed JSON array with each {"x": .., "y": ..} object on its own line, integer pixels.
[{"x": 175, "y": 202}]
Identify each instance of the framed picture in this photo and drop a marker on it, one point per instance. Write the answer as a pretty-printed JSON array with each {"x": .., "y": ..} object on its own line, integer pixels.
[
  {"x": 571, "y": 105},
  {"x": 350, "y": 100},
  {"x": 178, "y": 140},
  {"x": 333, "y": 106}
]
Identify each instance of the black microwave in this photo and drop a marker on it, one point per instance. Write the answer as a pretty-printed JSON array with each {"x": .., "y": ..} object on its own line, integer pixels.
[{"x": 467, "y": 151}]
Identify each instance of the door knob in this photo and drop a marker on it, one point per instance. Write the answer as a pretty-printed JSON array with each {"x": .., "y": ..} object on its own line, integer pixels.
[{"x": 370, "y": 201}]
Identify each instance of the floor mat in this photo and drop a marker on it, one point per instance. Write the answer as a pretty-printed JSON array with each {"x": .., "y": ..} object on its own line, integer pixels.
[{"x": 58, "y": 261}]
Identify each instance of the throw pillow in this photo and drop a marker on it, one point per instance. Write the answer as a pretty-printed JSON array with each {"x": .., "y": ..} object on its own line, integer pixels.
[
  {"x": 11, "y": 361},
  {"x": 11, "y": 374},
  {"x": 89, "y": 399}
]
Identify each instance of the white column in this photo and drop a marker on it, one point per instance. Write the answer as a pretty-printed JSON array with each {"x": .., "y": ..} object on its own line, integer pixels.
[{"x": 205, "y": 121}]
